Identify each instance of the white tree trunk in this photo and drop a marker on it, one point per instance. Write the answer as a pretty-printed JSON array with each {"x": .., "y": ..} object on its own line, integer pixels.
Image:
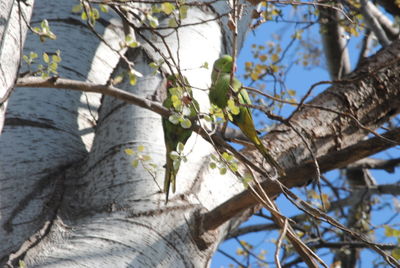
[
  {"x": 13, "y": 17},
  {"x": 47, "y": 130},
  {"x": 107, "y": 211}
]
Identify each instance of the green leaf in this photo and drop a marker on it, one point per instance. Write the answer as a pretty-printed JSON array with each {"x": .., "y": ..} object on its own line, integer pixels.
[
  {"x": 95, "y": 14},
  {"x": 103, "y": 8},
  {"x": 118, "y": 79},
  {"x": 44, "y": 24},
  {"x": 174, "y": 119},
  {"x": 140, "y": 148},
  {"x": 233, "y": 167},
  {"x": 53, "y": 67},
  {"x": 22, "y": 264},
  {"x": 172, "y": 23},
  {"x": 186, "y": 123},
  {"x": 213, "y": 165},
  {"x": 129, "y": 151},
  {"x": 176, "y": 101},
  {"x": 153, "y": 21},
  {"x": 132, "y": 78},
  {"x": 214, "y": 157},
  {"x": 180, "y": 147},
  {"x": 83, "y": 15},
  {"x": 135, "y": 163},
  {"x": 133, "y": 44},
  {"x": 153, "y": 65},
  {"x": 183, "y": 11},
  {"x": 76, "y": 8},
  {"x": 56, "y": 58},
  {"x": 146, "y": 157},
  {"x": 46, "y": 57},
  {"x": 396, "y": 253},
  {"x": 227, "y": 157},
  {"x": 207, "y": 118},
  {"x": 33, "y": 55},
  {"x": 389, "y": 231},
  {"x": 167, "y": 8},
  {"x": 174, "y": 155},
  {"x": 291, "y": 92},
  {"x": 205, "y": 65},
  {"x": 247, "y": 178},
  {"x": 232, "y": 107},
  {"x": 26, "y": 59},
  {"x": 222, "y": 171}
]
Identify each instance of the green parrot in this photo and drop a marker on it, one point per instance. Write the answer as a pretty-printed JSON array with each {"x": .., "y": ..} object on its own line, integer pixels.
[
  {"x": 177, "y": 128},
  {"x": 220, "y": 94}
]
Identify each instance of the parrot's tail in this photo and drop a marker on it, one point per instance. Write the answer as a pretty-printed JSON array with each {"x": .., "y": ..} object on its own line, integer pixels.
[
  {"x": 169, "y": 177},
  {"x": 270, "y": 159}
]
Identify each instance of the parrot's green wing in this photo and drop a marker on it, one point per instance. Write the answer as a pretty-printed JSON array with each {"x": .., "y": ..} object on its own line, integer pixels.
[{"x": 175, "y": 133}]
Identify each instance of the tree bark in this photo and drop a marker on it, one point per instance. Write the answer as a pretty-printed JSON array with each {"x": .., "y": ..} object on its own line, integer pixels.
[{"x": 13, "y": 18}]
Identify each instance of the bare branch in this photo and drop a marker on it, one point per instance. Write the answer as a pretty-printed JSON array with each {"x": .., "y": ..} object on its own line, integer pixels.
[
  {"x": 334, "y": 43},
  {"x": 391, "y": 31},
  {"x": 298, "y": 176},
  {"x": 373, "y": 23}
]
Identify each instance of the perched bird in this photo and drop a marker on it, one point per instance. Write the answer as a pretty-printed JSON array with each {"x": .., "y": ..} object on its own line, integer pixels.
[
  {"x": 222, "y": 90},
  {"x": 177, "y": 128}
]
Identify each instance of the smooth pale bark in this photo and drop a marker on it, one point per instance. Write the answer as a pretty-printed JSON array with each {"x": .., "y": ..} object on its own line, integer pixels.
[
  {"x": 12, "y": 36},
  {"x": 112, "y": 213},
  {"x": 47, "y": 130}
]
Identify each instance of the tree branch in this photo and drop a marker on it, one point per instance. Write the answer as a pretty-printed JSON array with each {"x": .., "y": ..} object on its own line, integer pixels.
[
  {"x": 373, "y": 23},
  {"x": 334, "y": 43},
  {"x": 298, "y": 176}
]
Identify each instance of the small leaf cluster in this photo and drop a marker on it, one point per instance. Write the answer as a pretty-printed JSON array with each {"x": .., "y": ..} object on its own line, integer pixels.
[
  {"x": 156, "y": 65},
  {"x": 226, "y": 162},
  {"x": 267, "y": 57},
  {"x": 129, "y": 42},
  {"x": 218, "y": 115},
  {"x": 89, "y": 12},
  {"x": 49, "y": 67},
  {"x": 391, "y": 232},
  {"x": 182, "y": 110},
  {"x": 315, "y": 199},
  {"x": 177, "y": 11},
  {"x": 131, "y": 74},
  {"x": 141, "y": 158},
  {"x": 244, "y": 248},
  {"x": 44, "y": 31},
  {"x": 178, "y": 156}
]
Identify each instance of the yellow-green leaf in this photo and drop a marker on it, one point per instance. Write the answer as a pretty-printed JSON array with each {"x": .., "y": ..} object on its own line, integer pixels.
[
  {"x": 183, "y": 11},
  {"x": 84, "y": 15},
  {"x": 185, "y": 123},
  {"x": 167, "y": 8},
  {"x": 129, "y": 151},
  {"x": 146, "y": 157},
  {"x": 46, "y": 57},
  {"x": 396, "y": 253},
  {"x": 135, "y": 163},
  {"x": 76, "y": 8}
]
